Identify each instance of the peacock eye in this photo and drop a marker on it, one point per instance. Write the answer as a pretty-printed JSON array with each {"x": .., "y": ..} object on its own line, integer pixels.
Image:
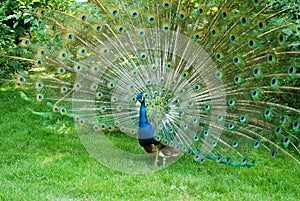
[
  {"x": 151, "y": 19},
  {"x": 141, "y": 99}
]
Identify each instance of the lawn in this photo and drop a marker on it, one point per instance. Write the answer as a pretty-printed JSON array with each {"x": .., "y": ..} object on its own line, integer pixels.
[{"x": 44, "y": 159}]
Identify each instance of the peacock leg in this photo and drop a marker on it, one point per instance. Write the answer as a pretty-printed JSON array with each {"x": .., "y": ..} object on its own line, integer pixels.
[{"x": 156, "y": 157}]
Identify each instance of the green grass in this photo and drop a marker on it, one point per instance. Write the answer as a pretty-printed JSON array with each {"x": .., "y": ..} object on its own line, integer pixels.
[{"x": 44, "y": 159}]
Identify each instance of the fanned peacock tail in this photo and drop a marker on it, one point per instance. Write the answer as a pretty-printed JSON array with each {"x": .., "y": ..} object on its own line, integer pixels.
[{"x": 220, "y": 78}]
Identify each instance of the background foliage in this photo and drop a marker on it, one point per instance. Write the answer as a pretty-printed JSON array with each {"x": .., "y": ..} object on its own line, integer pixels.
[{"x": 17, "y": 19}]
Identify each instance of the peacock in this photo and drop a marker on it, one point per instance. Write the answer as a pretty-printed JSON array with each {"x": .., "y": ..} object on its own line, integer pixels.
[
  {"x": 146, "y": 134},
  {"x": 219, "y": 79}
]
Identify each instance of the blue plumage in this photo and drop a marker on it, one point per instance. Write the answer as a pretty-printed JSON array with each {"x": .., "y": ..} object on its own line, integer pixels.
[
  {"x": 143, "y": 122},
  {"x": 145, "y": 131}
]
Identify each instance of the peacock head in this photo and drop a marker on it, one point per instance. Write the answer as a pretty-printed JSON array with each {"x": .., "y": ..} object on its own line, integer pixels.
[{"x": 140, "y": 99}]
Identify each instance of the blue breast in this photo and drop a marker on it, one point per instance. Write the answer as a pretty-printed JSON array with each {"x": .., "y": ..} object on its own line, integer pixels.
[{"x": 146, "y": 132}]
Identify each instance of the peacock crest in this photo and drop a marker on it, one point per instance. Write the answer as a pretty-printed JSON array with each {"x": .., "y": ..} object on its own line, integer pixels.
[{"x": 220, "y": 78}]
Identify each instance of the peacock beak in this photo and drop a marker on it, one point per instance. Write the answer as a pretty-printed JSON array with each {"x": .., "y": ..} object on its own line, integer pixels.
[{"x": 138, "y": 103}]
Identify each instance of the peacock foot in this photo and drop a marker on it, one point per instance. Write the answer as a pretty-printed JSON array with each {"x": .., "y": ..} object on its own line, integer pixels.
[{"x": 167, "y": 153}]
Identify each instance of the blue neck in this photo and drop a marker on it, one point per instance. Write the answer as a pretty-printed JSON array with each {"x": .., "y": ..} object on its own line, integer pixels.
[{"x": 143, "y": 122}]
